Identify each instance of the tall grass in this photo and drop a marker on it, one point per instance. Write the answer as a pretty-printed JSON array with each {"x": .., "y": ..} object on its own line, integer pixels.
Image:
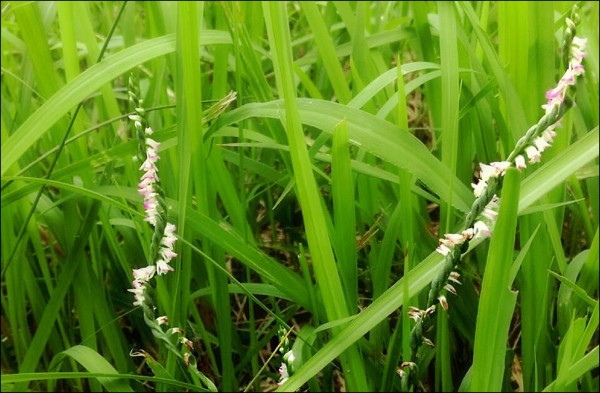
[{"x": 308, "y": 210}]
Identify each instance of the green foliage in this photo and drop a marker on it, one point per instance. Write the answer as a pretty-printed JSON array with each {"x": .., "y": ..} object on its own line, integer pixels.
[{"x": 312, "y": 204}]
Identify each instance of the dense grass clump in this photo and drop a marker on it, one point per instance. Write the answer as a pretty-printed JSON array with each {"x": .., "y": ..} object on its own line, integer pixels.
[{"x": 313, "y": 196}]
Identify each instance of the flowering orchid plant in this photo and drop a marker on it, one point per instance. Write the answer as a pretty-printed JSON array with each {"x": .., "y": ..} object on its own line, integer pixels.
[
  {"x": 154, "y": 207},
  {"x": 480, "y": 220},
  {"x": 163, "y": 241}
]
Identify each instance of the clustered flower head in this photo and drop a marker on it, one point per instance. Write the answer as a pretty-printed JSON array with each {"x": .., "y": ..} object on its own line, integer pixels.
[
  {"x": 480, "y": 229},
  {"x": 283, "y": 374},
  {"x": 149, "y": 188},
  {"x": 532, "y": 147},
  {"x": 140, "y": 279},
  {"x": 288, "y": 358},
  {"x": 555, "y": 97},
  {"x": 166, "y": 252},
  {"x": 147, "y": 185}
]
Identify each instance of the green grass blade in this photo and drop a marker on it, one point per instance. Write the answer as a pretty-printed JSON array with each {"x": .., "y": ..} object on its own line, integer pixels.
[
  {"x": 497, "y": 302},
  {"x": 376, "y": 136},
  {"x": 561, "y": 167},
  {"x": 326, "y": 273},
  {"x": 342, "y": 189},
  {"x": 95, "y": 363},
  {"x": 83, "y": 86},
  {"x": 327, "y": 52},
  {"x": 29, "y": 377},
  {"x": 450, "y": 142}
]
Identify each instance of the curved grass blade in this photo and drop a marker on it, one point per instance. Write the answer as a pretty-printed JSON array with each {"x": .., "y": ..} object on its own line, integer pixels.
[
  {"x": 95, "y": 363},
  {"x": 375, "y": 135},
  {"x": 84, "y": 85}
]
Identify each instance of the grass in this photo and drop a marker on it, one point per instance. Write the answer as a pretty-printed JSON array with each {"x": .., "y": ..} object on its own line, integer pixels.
[{"x": 310, "y": 205}]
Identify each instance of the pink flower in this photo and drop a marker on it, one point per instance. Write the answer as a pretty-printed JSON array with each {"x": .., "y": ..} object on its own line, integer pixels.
[
  {"x": 167, "y": 254},
  {"x": 567, "y": 79}
]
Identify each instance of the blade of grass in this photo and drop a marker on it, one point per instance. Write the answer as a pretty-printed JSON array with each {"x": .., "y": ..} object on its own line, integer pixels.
[
  {"x": 85, "y": 84},
  {"x": 327, "y": 51},
  {"x": 559, "y": 168},
  {"x": 326, "y": 273},
  {"x": 30, "y": 377},
  {"x": 497, "y": 302},
  {"x": 94, "y": 363},
  {"x": 342, "y": 189},
  {"x": 376, "y": 136},
  {"x": 450, "y": 99}
]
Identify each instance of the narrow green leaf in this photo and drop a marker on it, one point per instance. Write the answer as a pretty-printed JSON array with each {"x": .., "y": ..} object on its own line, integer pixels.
[
  {"x": 84, "y": 85},
  {"x": 95, "y": 363},
  {"x": 497, "y": 300},
  {"x": 326, "y": 273},
  {"x": 342, "y": 189},
  {"x": 374, "y": 135}
]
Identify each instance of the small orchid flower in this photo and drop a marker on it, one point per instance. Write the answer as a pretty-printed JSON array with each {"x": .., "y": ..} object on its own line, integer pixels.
[
  {"x": 479, "y": 187},
  {"x": 520, "y": 162},
  {"x": 481, "y": 230},
  {"x": 533, "y": 154}
]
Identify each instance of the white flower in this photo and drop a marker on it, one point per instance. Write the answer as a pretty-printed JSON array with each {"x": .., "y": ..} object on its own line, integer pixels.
[
  {"x": 487, "y": 171},
  {"x": 138, "y": 291},
  {"x": 501, "y": 166},
  {"x": 289, "y": 357},
  {"x": 169, "y": 236},
  {"x": 533, "y": 154},
  {"x": 481, "y": 230},
  {"x": 468, "y": 233},
  {"x": 144, "y": 274},
  {"x": 454, "y": 238},
  {"x": 443, "y": 302},
  {"x": 490, "y": 214},
  {"x": 135, "y": 117},
  {"x": 442, "y": 249},
  {"x": 541, "y": 144},
  {"x": 578, "y": 50},
  {"x": 454, "y": 276},
  {"x": 162, "y": 267},
  {"x": 283, "y": 372},
  {"x": 520, "y": 162},
  {"x": 479, "y": 187},
  {"x": 550, "y": 134},
  {"x": 152, "y": 144}
]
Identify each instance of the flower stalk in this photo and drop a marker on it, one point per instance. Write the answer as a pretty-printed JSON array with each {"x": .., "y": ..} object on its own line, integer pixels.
[
  {"x": 161, "y": 251},
  {"x": 481, "y": 217}
]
